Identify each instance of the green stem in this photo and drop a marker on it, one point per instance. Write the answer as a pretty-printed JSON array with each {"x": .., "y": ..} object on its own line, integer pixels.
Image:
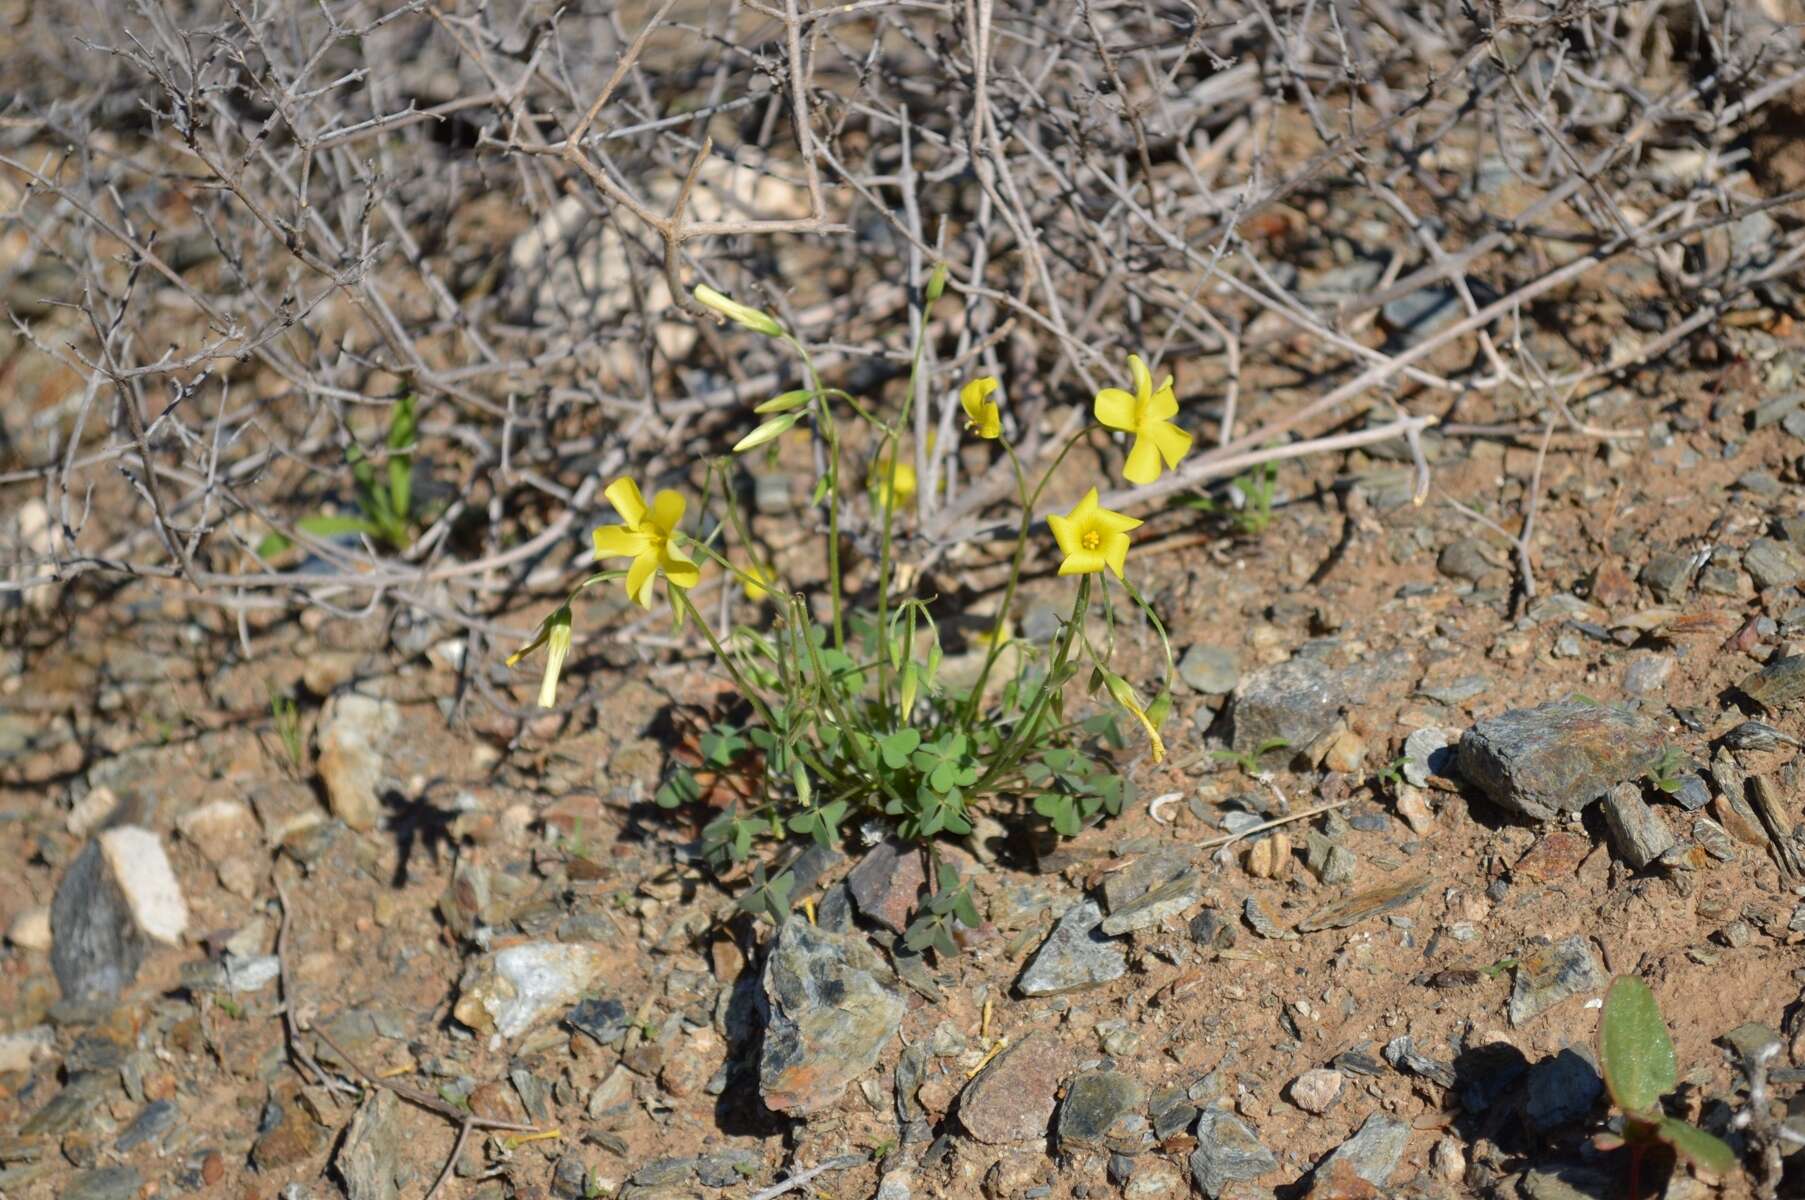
[
  {"x": 1029, "y": 500},
  {"x": 888, "y": 463},
  {"x": 831, "y": 435},
  {"x": 1006, "y": 756}
]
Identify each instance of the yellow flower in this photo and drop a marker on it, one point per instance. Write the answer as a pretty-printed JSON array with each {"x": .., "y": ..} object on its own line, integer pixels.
[
  {"x": 895, "y": 487},
  {"x": 757, "y": 581},
  {"x": 981, "y": 416},
  {"x": 649, "y": 537},
  {"x": 554, "y": 635},
  {"x": 1148, "y": 415},
  {"x": 997, "y": 636},
  {"x": 1092, "y": 537}
]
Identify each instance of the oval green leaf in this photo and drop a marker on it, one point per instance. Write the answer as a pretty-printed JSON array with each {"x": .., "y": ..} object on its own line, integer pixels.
[
  {"x": 1637, "y": 1054},
  {"x": 1703, "y": 1150}
]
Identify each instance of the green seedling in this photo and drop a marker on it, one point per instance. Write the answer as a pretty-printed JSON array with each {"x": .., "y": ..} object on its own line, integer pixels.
[
  {"x": 1666, "y": 773},
  {"x": 1640, "y": 1068},
  {"x": 385, "y": 505},
  {"x": 1257, "y": 489},
  {"x": 1249, "y": 760},
  {"x": 287, "y": 719}
]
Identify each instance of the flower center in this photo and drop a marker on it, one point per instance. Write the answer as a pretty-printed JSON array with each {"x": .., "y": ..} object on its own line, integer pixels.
[{"x": 1092, "y": 539}]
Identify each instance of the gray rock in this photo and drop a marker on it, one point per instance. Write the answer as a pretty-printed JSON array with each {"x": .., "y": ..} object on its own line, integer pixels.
[
  {"x": 1299, "y": 700},
  {"x": 1693, "y": 793},
  {"x": 1777, "y": 684},
  {"x": 1012, "y": 1098},
  {"x": 602, "y": 1019},
  {"x": 1401, "y": 1052},
  {"x": 96, "y": 947},
  {"x": 1042, "y": 624},
  {"x": 1712, "y": 838},
  {"x": 1170, "y": 899},
  {"x": 887, "y": 884},
  {"x": 1457, "y": 691},
  {"x": 1667, "y": 575},
  {"x": 1262, "y": 923},
  {"x": 1470, "y": 559},
  {"x": 570, "y": 1179},
  {"x": 1428, "y": 752},
  {"x": 663, "y": 1172},
  {"x": 512, "y": 990},
  {"x": 1794, "y": 424},
  {"x": 1570, "y": 1181},
  {"x": 1372, "y": 1154},
  {"x": 369, "y": 1159},
  {"x": 1557, "y": 757},
  {"x": 1647, "y": 673},
  {"x": 1075, "y": 955},
  {"x": 1212, "y": 670},
  {"x": 1227, "y": 1152},
  {"x": 1097, "y": 1109},
  {"x": 1776, "y": 409},
  {"x": 156, "y": 1119},
  {"x": 1155, "y": 1179},
  {"x": 105, "y": 1183},
  {"x": 828, "y": 1018},
  {"x": 1560, "y": 1090},
  {"x": 1638, "y": 832},
  {"x": 1211, "y": 930},
  {"x": 1316, "y": 1091},
  {"x": 354, "y": 731},
  {"x": 729, "y": 1168},
  {"x": 1773, "y": 564},
  {"x": 1552, "y": 974}
]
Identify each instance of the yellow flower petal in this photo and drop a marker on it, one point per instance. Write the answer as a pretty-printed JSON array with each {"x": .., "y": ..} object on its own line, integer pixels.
[
  {"x": 1115, "y": 552},
  {"x": 639, "y": 579},
  {"x": 1143, "y": 379},
  {"x": 1083, "y": 562},
  {"x": 614, "y": 541},
  {"x": 679, "y": 568},
  {"x": 667, "y": 511},
  {"x": 1173, "y": 442},
  {"x": 1065, "y": 532},
  {"x": 1143, "y": 461},
  {"x": 1114, "y": 408},
  {"x": 624, "y": 495},
  {"x": 1114, "y": 522},
  {"x": 1163, "y": 404}
]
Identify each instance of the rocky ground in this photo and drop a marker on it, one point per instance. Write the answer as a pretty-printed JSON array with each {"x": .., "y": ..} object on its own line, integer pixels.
[{"x": 420, "y": 927}]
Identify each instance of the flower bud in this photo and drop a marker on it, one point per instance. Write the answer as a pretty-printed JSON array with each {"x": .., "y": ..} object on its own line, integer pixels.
[{"x": 754, "y": 319}]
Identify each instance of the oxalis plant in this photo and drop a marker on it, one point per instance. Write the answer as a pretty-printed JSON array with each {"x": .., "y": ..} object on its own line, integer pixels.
[
  {"x": 1639, "y": 1068},
  {"x": 851, "y": 718}
]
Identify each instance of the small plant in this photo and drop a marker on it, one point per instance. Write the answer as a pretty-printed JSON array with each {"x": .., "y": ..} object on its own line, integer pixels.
[
  {"x": 1639, "y": 1068},
  {"x": 1665, "y": 774},
  {"x": 385, "y": 506},
  {"x": 1391, "y": 775},
  {"x": 287, "y": 719},
  {"x": 846, "y": 715},
  {"x": 1249, "y": 760},
  {"x": 1248, "y": 509}
]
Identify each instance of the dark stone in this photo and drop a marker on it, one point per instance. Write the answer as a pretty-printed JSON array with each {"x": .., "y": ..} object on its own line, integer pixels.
[
  {"x": 729, "y": 1168},
  {"x": 96, "y": 947},
  {"x": 1777, "y": 684},
  {"x": 157, "y": 1119},
  {"x": 1402, "y": 1053},
  {"x": 1552, "y": 974},
  {"x": 1667, "y": 575},
  {"x": 1560, "y": 1091},
  {"x": 1075, "y": 955},
  {"x": 887, "y": 884},
  {"x": 1227, "y": 1152},
  {"x": 603, "y": 1020},
  {"x": 103, "y": 1183},
  {"x": 1371, "y": 1155},
  {"x": 369, "y": 1159},
  {"x": 1557, "y": 757},
  {"x": 1637, "y": 830},
  {"x": 828, "y": 1017},
  {"x": 1212, "y": 930},
  {"x": 1096, "y": 1103},
  {"x": 1772, "y": 563}
]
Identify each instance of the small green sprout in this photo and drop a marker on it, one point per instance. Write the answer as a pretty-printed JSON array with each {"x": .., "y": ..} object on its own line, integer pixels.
[
  {"x": 1249, "y": 760},
  {"x": 287, "y": 718},
  {"x": 1639, "y": 1068},
  {"x": 385, "y": 506},
  {"x": 1665, "y": 774}
]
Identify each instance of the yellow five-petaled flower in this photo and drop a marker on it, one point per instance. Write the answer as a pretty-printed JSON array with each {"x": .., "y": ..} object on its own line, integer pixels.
[
  {"x": 981, "y": 415},
  {"x": 649, "y": 537},
  {"x": 1092, "y": 537},
  {"x": 1148, "y": 415}
]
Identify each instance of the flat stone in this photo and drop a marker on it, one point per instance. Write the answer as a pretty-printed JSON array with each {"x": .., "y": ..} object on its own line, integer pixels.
[
  {"x": 1413, "y": 805},
  {"x": 96, "y": 946},
  {"x": 289, "y": 1134},
  {"x": 1401, "y": 1053},
  {"x": 605, "y": 1020},
  {"x": 103, "y": 1183},
  {"x": 18, "y": 1051},
  {"x": 1155, "y": 1179},
  {"x": 1666, "y": 575},
  {"x": 1693, "y": 793},
  {"x": 153, "y": 1121},
  {"x": 1211, "y": 930},
  {"x": 512, "y": 990},
  {"x": 1227, "y": 1152},
  {"x": 1076, "y": 955},
  {"x": 30, "y": 930},
  {"x": 1427, "y": 752},
  {"x": 1013, "y": 1097},
  {"x": 1777, "y": 684},
  {"x": 1456, "y": 691},
  {"x": 1713, "y": 840},
  {"x": 354, "y": 731},
  {"x": 1556, "y": 856},
  {"x": 1363, "y": 905},
  {"x": 1371, "y": 1155},
  {"x": 887, "y": 884},
  {"x": 1551, "y": 974},
  {"x": 1470, "y": 559},
  {"x": 827, "y": 1017},
  {"x": 369, "y": 1160},
  {"x": 1299, "y": 700},
  {"x": 1647, "y": 673},
  {"x": 1772, "y": 563},
  {"x": 1638, "y": 832},
  {"x": 1560, "y": 1090},
  {"x": 1097, "y": 1110},
  {"x": 1167, "y": 887},
  {"x": 1316, "y": 1091},
  {"x": 1211, "y": 670},
  {"x": 1558, "y": 757}
]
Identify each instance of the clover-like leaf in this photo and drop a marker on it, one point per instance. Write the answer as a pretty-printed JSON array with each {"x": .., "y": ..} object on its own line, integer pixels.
[
  {"x": 1633, "y": 1046},
  {"x": 898, "y": 746}
]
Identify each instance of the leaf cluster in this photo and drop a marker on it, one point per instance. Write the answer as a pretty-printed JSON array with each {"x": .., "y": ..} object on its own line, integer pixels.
[{"x": 385, "y": 503}]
